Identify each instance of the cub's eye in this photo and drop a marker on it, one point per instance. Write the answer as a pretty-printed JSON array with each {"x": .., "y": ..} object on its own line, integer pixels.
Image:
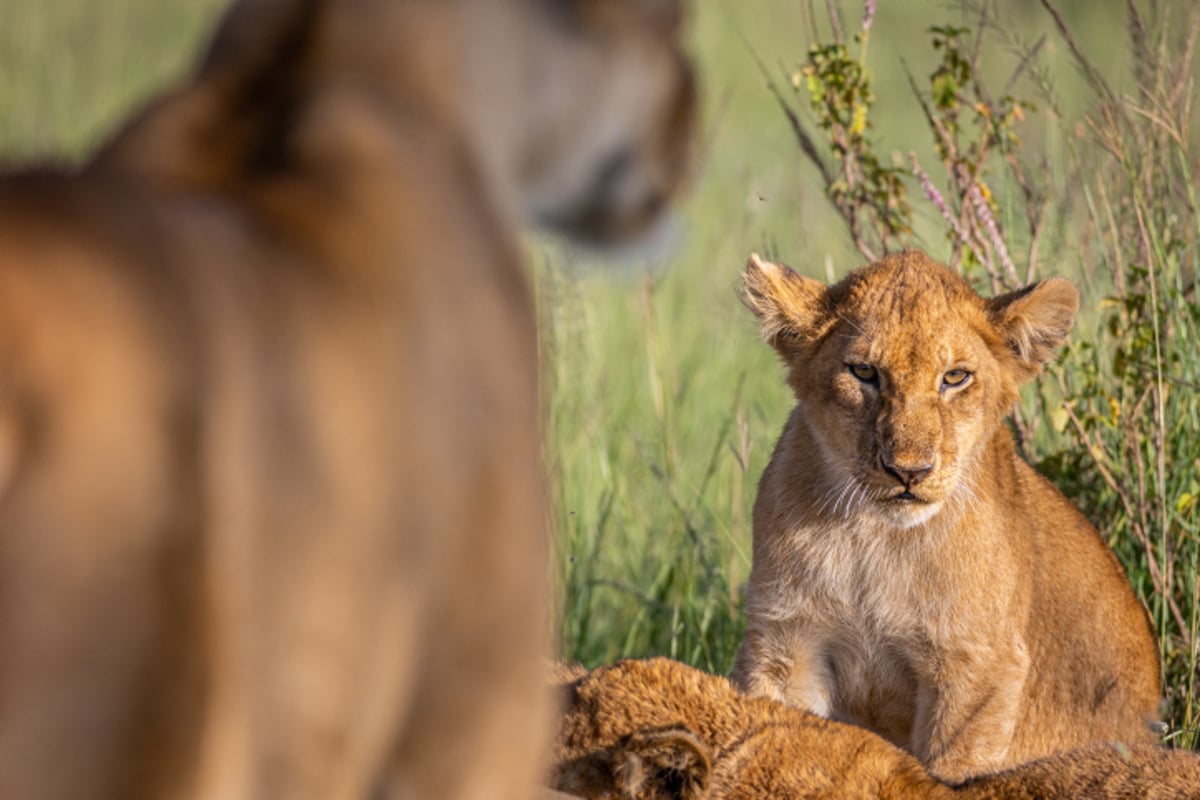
[
  {"x": 864, "y": 372},
  {"x": 955, "y": 377}
]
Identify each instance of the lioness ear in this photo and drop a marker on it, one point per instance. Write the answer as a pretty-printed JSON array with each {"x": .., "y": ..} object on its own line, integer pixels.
[
  {"x": 255, "y": 34},
  {"x": 663, "y": 765},
  {"x": 791, "y": 308},
  {"x": 664, "y": 17},
  {"x": 1035, "y": 320}
]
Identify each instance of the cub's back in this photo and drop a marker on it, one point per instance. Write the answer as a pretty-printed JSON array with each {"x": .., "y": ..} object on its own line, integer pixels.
[{"x": 1089, "y": 644}]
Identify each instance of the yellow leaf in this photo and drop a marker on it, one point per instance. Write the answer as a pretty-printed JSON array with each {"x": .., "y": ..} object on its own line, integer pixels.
[{"x": 859, "y": 123}]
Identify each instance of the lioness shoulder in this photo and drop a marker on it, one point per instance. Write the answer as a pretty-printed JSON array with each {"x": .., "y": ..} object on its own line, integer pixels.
[
  {"x": 910, "y": 572},
  {"x": 272, "y": 515}
]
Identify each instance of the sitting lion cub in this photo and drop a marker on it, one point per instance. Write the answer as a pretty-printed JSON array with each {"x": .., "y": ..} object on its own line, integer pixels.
[
  {"x": 911, "y": 574},
  {"x": 657, "y": 729}
]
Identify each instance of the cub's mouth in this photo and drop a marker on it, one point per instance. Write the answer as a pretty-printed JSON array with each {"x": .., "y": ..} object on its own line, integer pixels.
[
  {"x": 905, "y": 497},
  {"x": 908, "y": 486}
]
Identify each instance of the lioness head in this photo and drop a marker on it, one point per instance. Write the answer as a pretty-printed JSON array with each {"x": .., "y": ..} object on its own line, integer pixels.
[
  {"x": 575, "y": 115},
  {"x": 618, "y": 102},
  {"x": 903, "y": 373}
]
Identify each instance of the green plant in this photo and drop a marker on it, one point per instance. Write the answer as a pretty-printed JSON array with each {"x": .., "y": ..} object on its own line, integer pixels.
[{"x": 869, "y": 195}]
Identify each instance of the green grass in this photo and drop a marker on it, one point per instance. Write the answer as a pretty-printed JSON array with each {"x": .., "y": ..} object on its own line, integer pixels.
[
  {"x": 70, "y": 69},
  {"x": 662, "y": 406}
]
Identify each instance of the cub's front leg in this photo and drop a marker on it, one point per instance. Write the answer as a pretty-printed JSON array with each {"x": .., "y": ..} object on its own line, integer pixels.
[
  {"x": 968, "y": 708},
  {"x": 779, "y": 661}
]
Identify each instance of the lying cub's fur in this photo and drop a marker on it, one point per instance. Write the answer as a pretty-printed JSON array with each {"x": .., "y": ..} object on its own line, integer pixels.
[
  {"x": 271, "y": 515},
  {"x": 911, "y": 574},
  {"x": 657, "y": 729}
]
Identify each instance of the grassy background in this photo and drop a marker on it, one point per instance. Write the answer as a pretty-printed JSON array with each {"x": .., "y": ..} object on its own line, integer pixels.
[
  {"x": 664, "y": 406},
  {"x": 661, "y": 405}
]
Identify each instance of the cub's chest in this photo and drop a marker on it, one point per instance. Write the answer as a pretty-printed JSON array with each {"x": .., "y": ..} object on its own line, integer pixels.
[
  {"x": 862, "y": 611},
  {"x": 866, "y": 578}
]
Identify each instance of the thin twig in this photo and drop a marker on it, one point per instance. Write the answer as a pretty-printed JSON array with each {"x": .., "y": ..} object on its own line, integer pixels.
[
  {"x": 1024, "y": 63},
  {"x": 805, "y": 141},
  {"x": 1093, "y": 76},
  {"x": 835, "y": 21}
]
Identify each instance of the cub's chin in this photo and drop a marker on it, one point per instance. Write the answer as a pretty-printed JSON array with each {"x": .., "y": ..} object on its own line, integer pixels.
[{"x": 907, "y": 513}]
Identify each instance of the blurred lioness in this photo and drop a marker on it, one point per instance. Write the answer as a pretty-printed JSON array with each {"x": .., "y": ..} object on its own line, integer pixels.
[{"x": 271, "y": 513}]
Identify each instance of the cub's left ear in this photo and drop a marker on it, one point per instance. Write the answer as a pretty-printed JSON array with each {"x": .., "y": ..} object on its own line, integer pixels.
[
  {"x": 792, "y": 310},
  {"x": 670, "y": 764},
  {"x": 1035, "y": 320}
]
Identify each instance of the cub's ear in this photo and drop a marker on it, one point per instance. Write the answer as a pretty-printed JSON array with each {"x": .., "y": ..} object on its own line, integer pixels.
[
  {"x": 1035, "y": 320},
  {"x": 791, "y": 309},
  {"x": 670, "y": 764}
]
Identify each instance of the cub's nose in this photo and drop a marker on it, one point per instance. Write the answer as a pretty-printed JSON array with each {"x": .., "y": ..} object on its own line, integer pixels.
[{"x": 909, "y": 475}]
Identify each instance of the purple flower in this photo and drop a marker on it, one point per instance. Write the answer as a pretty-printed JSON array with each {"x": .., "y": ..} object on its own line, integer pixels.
[
  {"x": 934, "y": 196},
  {"x": 984, "y": 215}
]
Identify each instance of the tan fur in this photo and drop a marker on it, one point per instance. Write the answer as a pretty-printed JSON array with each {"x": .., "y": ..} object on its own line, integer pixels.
[
  {"x": 272, "y": 521},
  {"x": 978, "y": 620},
  {"x": 657, "y": 729},
  {"x": 560, "y": 672}
]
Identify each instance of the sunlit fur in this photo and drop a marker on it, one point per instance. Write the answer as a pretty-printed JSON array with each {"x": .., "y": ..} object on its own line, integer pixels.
[
  {"x": 659, "y": 730},
  {"x": 910, "y": 572}
]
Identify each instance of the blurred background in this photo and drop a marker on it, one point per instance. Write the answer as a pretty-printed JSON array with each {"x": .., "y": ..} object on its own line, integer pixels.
[{"x": 1072, "y": 123}]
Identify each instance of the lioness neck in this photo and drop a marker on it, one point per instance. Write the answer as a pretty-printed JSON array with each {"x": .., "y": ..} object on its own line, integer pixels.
[{"x": 483, "y": 66}]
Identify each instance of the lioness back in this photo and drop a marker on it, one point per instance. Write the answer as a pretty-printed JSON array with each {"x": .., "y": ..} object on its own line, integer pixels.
[
  {"x": 911, "y": 573},
  {"x": 271, "y": 507}
]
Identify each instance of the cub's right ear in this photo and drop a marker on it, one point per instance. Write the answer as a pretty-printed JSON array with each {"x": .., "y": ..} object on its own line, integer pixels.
[
  {"x": 670, "y": 764},
  {"x": 1035, "y": 321},
  {"x": 792, "y": 310}
]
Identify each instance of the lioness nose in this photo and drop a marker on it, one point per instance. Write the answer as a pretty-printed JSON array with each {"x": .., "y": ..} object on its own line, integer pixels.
[{"x": 908, "y": 475}]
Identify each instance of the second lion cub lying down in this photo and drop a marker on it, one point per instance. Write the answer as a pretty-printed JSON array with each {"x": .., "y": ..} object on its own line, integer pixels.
[
  {"x": 911, "y": 574},
  {"x": 657, "y": 729}
]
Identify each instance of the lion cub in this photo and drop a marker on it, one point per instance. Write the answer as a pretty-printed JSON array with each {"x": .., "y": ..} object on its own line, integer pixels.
[
  {"x": 911, "y": 574},
  {"x": 657, "y": 729}
]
